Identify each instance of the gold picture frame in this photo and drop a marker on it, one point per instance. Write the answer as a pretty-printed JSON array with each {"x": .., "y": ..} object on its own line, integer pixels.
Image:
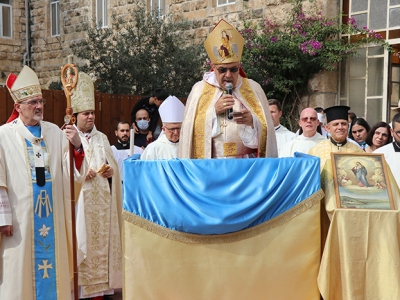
[{"x": 361, "y": 181}]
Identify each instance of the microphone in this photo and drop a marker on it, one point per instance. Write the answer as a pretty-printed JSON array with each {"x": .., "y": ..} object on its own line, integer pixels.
[{"x": 229, "y": 88}]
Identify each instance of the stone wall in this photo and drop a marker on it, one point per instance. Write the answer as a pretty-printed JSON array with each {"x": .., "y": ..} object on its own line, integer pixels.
[
  {"x": 49, "y": 53},
  {"x": 12, "y": 49}
]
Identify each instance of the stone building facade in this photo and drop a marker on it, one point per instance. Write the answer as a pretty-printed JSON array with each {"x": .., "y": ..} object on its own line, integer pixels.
[{"x": 45, "y": 51}]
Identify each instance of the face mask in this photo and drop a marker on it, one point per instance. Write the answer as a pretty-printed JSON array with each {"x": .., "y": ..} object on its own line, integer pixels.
[{"x": 143, "y": 124}]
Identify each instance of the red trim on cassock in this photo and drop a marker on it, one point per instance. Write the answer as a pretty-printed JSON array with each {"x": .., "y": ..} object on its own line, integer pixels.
[
  {"x": 78, "y": 159},
  {"x": 13, "y": 116},
  {"x": 10, "y": 80}
]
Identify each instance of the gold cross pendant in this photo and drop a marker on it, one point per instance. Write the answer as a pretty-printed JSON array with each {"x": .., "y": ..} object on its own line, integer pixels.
[{"x": 223, "y": 124}]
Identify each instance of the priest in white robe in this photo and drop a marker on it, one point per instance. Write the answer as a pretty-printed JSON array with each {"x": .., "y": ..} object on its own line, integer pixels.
[
  {"x": 121, "y": 149},
  {"x": 209, "y": 130},
  {"x": 35, "y": 203},
  {"x": 166, "y": 146},
  {"x": 99, "y": 203},
  {"x": 392, "y": 150},
  {"x": 308, "y": 137},
  {"x": 283, "y": 135}
]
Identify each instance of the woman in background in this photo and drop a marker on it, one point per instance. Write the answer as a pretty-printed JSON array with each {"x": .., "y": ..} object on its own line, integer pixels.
[
  {"x": 359, "y": 129},
  {"x": 378, "y": 136}
]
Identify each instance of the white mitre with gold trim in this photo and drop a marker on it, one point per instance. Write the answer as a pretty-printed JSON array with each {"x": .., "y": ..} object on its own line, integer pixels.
[
  {"x": 82, "y": 98},
  {"x": 24, "y": 86},
  {"x": 224, "y": 45}
]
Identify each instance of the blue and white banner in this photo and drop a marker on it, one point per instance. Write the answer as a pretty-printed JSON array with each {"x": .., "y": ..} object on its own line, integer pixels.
[{"x": 214, "y": 196}]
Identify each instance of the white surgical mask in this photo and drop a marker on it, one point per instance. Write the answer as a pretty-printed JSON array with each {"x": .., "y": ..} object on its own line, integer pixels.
[{"x": 143, "y": 124}]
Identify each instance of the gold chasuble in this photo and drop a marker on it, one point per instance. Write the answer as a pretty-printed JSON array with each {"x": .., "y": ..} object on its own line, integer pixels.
[
  {"x": 324, "y": 149},
  {"x": 98, "y": 220},
  {"x": 196, "y": 139}
]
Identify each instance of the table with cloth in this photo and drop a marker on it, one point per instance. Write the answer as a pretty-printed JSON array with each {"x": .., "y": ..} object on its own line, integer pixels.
[
  {"x": 222, "y": 229},
  {"x": 361, "y": 257}
]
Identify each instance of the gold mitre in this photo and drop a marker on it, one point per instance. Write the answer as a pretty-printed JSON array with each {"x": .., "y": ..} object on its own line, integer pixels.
[
  {"x": 24, "y": 86},
  {"x": 82, "y": 98},
  {"x": 224, "y": 44}
]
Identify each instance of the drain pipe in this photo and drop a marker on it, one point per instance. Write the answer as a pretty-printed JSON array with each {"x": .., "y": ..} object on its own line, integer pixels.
[{"x": 27, "y": 56}]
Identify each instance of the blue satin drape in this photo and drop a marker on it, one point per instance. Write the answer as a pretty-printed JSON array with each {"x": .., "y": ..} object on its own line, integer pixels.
[{"x": 217, "y": 196}]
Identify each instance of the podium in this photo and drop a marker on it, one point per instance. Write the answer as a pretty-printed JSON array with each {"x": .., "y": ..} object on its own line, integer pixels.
[{"x": 222, "y": 229}]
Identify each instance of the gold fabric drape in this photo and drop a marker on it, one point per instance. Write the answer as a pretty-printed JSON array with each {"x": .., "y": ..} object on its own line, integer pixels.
[
  {"x": 361, "y": 258},
  {"x": 279, "y": 260}
]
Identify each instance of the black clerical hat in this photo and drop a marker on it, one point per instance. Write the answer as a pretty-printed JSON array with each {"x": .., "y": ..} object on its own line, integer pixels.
[{"x": 336, "y": 113}]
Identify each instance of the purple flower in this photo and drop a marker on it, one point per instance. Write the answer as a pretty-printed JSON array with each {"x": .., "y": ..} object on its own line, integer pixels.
[
  {"x": 273, "y": 39},
  {"x": 352, "y": 21}
]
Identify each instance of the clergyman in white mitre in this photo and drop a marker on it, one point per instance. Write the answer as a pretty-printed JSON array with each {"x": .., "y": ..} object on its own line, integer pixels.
[{"x": 166, "y": 146}]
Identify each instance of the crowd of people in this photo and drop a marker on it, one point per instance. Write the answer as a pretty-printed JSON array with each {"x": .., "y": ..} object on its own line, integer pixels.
[{"x": 226, "y": 115}]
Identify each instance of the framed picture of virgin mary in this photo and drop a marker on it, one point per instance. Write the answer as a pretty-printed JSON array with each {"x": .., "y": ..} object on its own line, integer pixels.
[{"x": 361, "y": 181}]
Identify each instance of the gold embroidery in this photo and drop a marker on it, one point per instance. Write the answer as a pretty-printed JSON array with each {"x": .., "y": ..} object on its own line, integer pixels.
[
  {"x": 95, "y": 228},
  {"x": 230, "y": 149},
  {"x": 256, "y": 109},
  {"x": 95, "y": 265},
  {"x": 200, "y": 120}
]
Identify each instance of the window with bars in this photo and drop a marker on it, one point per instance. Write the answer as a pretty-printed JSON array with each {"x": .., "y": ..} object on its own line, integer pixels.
[
  {"x": 157, "y": 5},
  {"x": 55, "y": 17},
  {"x": 5, "y": 18},
  {"x": 101, "y": 13},
  {"x": 364, "y": 79},
  {"x": 225, "y": 2}
]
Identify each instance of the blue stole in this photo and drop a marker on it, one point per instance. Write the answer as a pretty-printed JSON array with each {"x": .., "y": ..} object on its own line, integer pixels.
[{"x": 44, "y": 252}]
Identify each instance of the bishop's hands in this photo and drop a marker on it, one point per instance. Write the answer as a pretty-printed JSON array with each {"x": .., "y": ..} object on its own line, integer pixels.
[
  {"x": 224, "y": 103},
  {"x": 73, "y": 136},
  {"x": 106, "y": 172},
  {"x": 243, "y": 116},
  {"x": 7, "y": 230}
]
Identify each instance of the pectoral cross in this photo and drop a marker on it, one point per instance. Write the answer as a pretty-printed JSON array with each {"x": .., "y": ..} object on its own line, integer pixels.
[
  {"x": 223, "y": 124},
  {"x": 44, "y": 267}
]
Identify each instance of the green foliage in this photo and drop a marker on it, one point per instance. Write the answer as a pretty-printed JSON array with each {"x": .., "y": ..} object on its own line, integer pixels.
[
  {"x": 141, "y": 54},
  {"x": 56, "y": 85},
  {"x": 283, "y": 56}
]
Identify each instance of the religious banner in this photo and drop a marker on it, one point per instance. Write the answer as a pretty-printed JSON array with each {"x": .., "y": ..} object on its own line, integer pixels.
[
  {"x": 222, "y": 228},
  {"x": 361, "y": 181}
]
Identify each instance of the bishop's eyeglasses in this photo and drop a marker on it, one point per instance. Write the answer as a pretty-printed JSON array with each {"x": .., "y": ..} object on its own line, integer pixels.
[{"x": 35, "y": 102}]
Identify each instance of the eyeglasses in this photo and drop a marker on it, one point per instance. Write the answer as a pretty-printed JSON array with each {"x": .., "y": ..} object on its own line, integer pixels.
[
  {"x": 177, "y": 129},
  {"x": 397, "y": 133},
  {"x": 223, "y": 70},
  {"x": 34, "y": 102},
  {"x": 312, "y": 119}
]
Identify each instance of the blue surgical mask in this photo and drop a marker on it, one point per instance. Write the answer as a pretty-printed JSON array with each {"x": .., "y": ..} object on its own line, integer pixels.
[{"x": 143, "y": 124}]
